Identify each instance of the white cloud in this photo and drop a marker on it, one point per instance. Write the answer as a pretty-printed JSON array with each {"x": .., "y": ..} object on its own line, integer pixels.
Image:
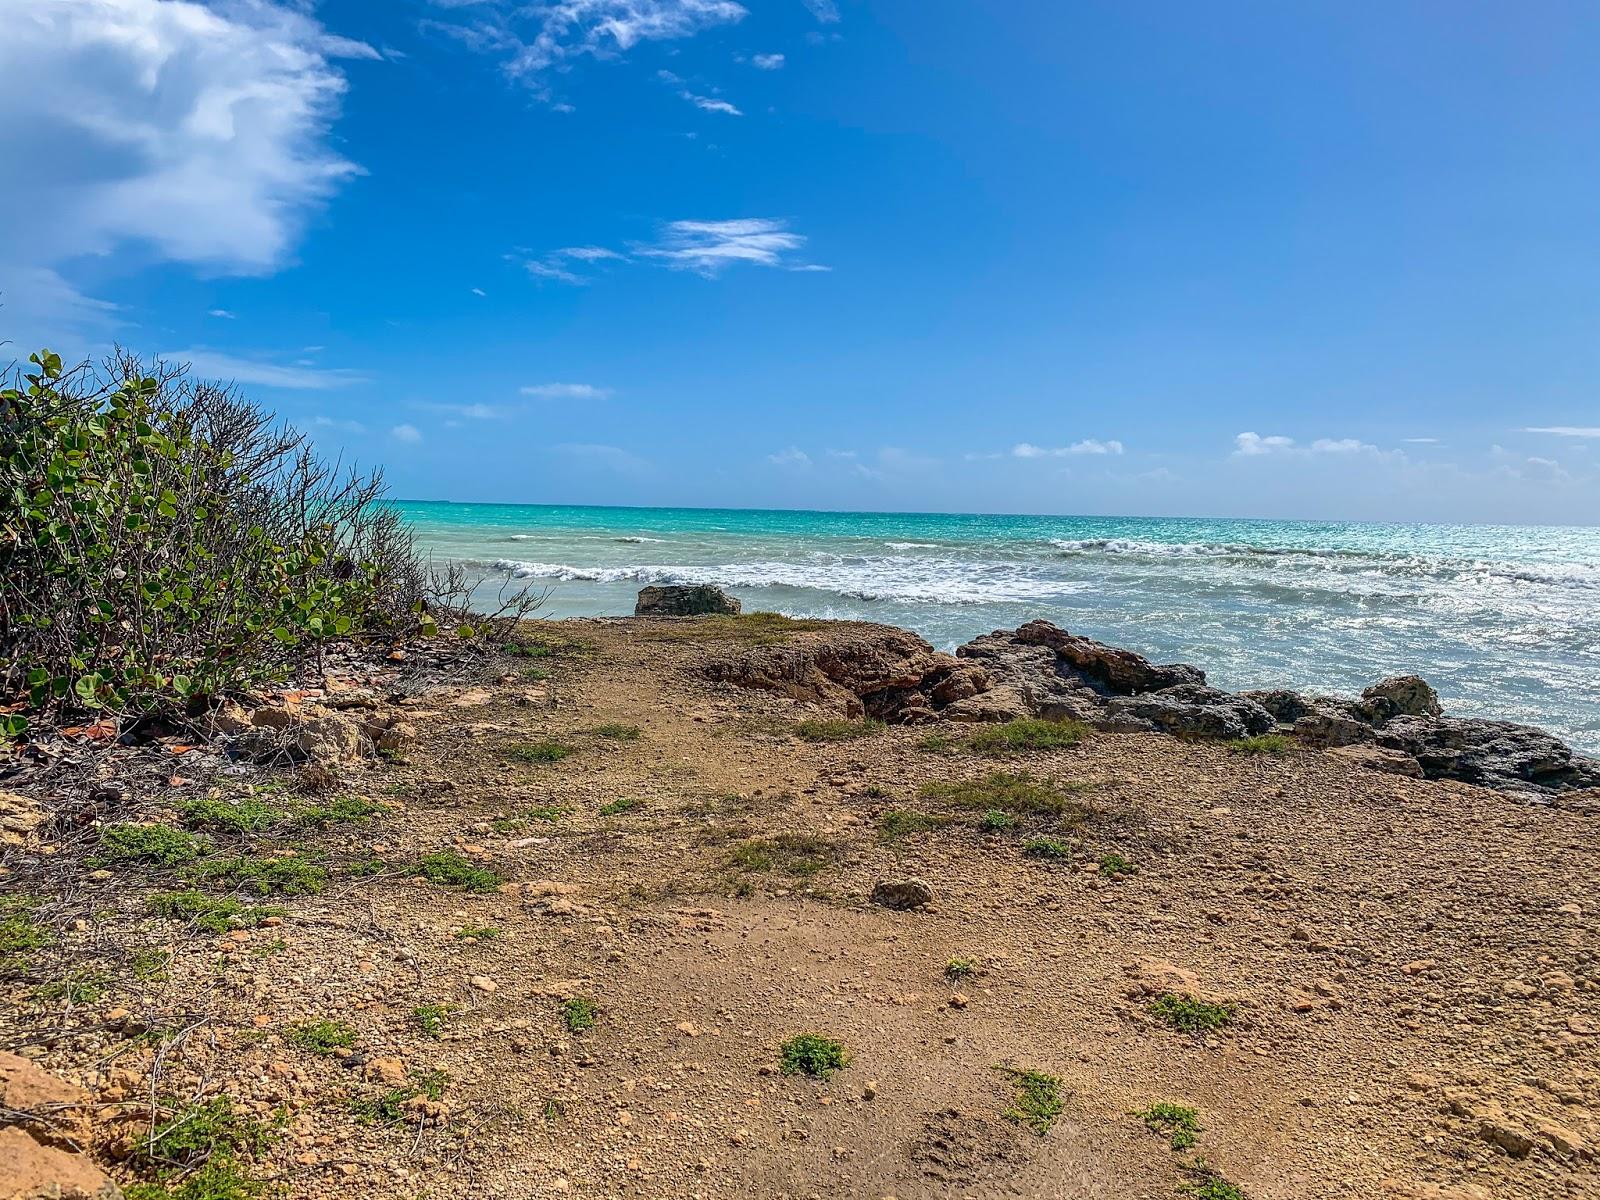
[
  {"x": 768, "y": 62},
  {"x": 1421, "y": 441},
  {"x": 1571, "y": 431},
  {"x": 406, "y": 433},
  {"x": 617, "y": 459},
  {"x": 1340, "y": 446},
  {"x": 339, "y": 423},
  {"x": 473, "y": 412},
  {"x": 825, "y": 11},
  {"x": 589, "y": 253},
  {"x": 479, "y": 292},
  {"x": 709, "y": 246},
  {"x": 1251, "y": 444},
  {"x": 229, "y": 368},
  {"x": 711, "y": 104},
  {"x": 791, "y": 456},
  {"x": 224, "y": 314},
  {"x": 535, "y": 40},
  {"x": 548, "y": 270},
  {"x": 566, "y": 391},
  {"x": 1087, "y": 446}
]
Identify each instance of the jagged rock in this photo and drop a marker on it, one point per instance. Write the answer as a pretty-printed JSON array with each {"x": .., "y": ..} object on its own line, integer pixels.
[
  {"x": 958, "y": 679},
  {"x": 1400, "y": 696},
  {"x": 873, "y": 668},
  {"x": 902, "y": 894},
  {"x": 305, "y": 732},
  {"x": 1032, "y": 672},
  {"x": 1108, "y": 669},
  {"x": 27, "y": 1087},
  {"x": 1380, "y": 758},
  {"x": 997, "y": 704},
  {"x": 32, "y": 1171},
  {"x": 1194, "y": 710},
  {"x": 19, "y": 817},
  {"x": 1285, "y": 706},
  {"x": 1496, "y": 754},
  {"x": 1327, "y": 728},
  {"x": 390, "y": 733},
  {"x": 684, "y": 600}
]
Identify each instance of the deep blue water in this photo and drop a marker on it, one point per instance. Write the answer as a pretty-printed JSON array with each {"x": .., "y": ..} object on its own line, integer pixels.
[{"x": 1504, "y": 621}]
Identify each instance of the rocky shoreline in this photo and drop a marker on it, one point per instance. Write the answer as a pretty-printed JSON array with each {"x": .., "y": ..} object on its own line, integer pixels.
[{"x": 1040, "y": 670}]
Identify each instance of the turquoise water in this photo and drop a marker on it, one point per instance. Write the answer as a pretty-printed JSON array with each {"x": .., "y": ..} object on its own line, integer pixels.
[{"x": 1504, "y": 621}]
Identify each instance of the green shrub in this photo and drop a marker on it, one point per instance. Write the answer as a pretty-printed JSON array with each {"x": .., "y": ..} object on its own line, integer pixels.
[
  {"x": 239, "y": 815},
  {"x": 619, "y": 733},
  {"x": 538, "y": 752},
  {"x": 1046, "y": 847},
  {"x": 1028, "y": 733},
  {"x": 481, "y": 933},
  {"x": 798, "y": 855},
  {"x": 219, "y": 1179},
  {"x": 615, "y": 808},
  {"x": 1037, "y": 1102},
  {"x": 158, "y": 845},
  {"x": 1265, "y": 743},
  {"x": 836, "y": 729},
  {"x": 289, "y": 876},
  {"x": 1114, "y": 866},
  {"x": 1191, "y": 1015},
  {"x": 813, "y": 1054},
  {"x": 20, "y": 933},
  {"x": 1181, "y": 1123},
  {"x": 202, "y": 1132},
  {"x": 1206, "y": 1183},
  {"x": 900, "y": 822},
  {"x": 994, "y": 820},
  {"x": 166, "y": 542},
  {"x": 453, "y": 869},
  {"x": 1005, "y": 792},
  {"x": 959, "y": 968},
  {"x": 431, "y": 1018},
  {"x": 321, "y": 1036},
  {"x": 579, "y": 1014},
  {"x": 341, "y": 810}
]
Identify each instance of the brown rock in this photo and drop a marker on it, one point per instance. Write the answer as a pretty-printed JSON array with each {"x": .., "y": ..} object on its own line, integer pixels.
[
  {"x": 902, "y": 894},
  {"x": 19, "y": 817},
  {"x": 1379, "y": 758},
  {"x": 1499, "y": 1132},
  {"x": 385, "y": 1070},
  {"x": 25, "y": 1087},
  {"x": 35, "y": 1172}
]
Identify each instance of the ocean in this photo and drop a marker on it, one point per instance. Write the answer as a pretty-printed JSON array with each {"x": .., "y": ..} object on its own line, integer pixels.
[{"x": 1504, "y": 621}]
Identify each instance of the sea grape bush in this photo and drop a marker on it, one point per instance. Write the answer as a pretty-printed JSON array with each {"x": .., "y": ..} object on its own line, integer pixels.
[{"x": 163, "y": 542}]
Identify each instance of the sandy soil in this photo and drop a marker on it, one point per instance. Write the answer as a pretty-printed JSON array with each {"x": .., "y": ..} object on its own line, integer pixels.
[{"x": 1414, "y": 965}]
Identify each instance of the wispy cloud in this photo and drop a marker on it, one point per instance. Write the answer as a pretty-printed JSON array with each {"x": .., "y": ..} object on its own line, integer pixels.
[
  {"x": 565, "y": 391},
  {"x": 1570, "y": 431},
  {"x": 710, "y": 246},
  {"x": 215, "y": 364},
  {"x": 479, "y": 292},
  {"x": 223, "y": 314},
  {"x": 472, "y": 412},
  {"x": 1087, "y": 446},
  {"x": 409, "y": 434},
  {"x": 767, "y": 62},
  {"x": 791, "y": 456},
  {"x": 589, "y": 253},
  {"x": 533, "y": 41},
  {"x": 825, "y": 11},
  {"x": 339, "y": 424},
  {"x": 1421, "y": 441},
  {"x": 614, "y": 457},
  {"x": 711, "y": 104},
  {"x": 1254, "y": 445}
]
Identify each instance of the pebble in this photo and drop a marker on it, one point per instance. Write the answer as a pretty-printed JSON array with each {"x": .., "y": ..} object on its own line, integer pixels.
[{"x": 483, "y": 983}]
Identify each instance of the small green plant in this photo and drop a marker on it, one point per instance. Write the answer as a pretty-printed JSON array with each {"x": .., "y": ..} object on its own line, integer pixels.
[
  {"x": 994, "y": 820},
  {"x": 1207, "y": 1183},
  {"x": 836, "y": 729},
  {"x": 1037, "y": 1100},
  {"x": 321, "y": 1036},
  {"x": 478, "y": 933},
  {"x": 1046, "y": 847},
  {"x": 207, "y": 1131},
  {"x": 1114, "y": 866},
  {"x": 1264, "y": 743},
  {"x": 219, "y": 1179},
  {"x": 390, "y": 1107},
  {"x": 213, "y": 914},
  {"x": 84, "y": 987},
  {"x": 1191, "y": 1015},
  {"x": 538, "y": 752},
  {"x": 625, "y": 804},
  {"x": 579, "y": 1014},
  {"x": 939, "y": 743},
  {"x": 1180, "y": 1123},
  {"x": 20, "y": 933},
  {"x": 287, "y": 876},
  {"x": 341, "y": 810},
  {"x": 619, "y": 732},
  {"x": 526, "y": 649},
  {"x": 157, "y": 845},
  {"x": 239, "y": 815},
  {"x": 793, "y": 854},
  {"x": 1016, "y": 794},
  {"x": 959, "y": 968},
  {"x": 517, "y": 822},
  {"x": 453, "y": 869},
  {"x": 149, "y": 964},
  {"x": 813, "y": 1054},
  {"x": 432, "y": 1018},
  {"x": 1025, "y": 734},
  {"x": 898, "y": 823}
]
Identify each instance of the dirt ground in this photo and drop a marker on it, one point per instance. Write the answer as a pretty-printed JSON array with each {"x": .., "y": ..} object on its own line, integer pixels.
[{"x": 1413, "y": 968}]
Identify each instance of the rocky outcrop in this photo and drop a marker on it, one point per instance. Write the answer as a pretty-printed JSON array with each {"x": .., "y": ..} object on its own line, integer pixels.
[
  {"x": 684, "y": 600},
  {"x": 1040, "y": 670},
  {"x": 319, "y": 734},
  {"x": 51, "y": 1116}
]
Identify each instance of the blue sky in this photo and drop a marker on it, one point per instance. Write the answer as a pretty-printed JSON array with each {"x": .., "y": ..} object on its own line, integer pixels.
[{"x": 1320, "y": 260}]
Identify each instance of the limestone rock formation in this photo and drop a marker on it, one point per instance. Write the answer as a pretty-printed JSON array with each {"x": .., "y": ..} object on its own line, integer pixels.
[{"x": 684, "y": 600}]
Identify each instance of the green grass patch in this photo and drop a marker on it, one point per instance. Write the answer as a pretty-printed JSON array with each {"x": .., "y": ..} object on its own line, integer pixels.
[
  {"x": 1264, "y": 743},
  {"x": 204, "y": 1132},
  {"x": 213, "y": 914},
  {"x": 1005, "y": 792},
  {"x": 390, "y": 1107},
  {"x": 219, "y": 1179},
  {"x": 20, "y": 933},
  {"x": 538, "y": 752},
  {"x": 618, "y": 732},
  {"x": 616, "y": 808},
  {"x": 450, "y": 868},
  {"x": 321, "y": 1036},
  {"x": 341, "y": 810},
  {"x": 1189, "y": 1015},
  {"x": 155, "y": 845},
  {"x": 288, "y": 876},
  {"x": 793, "y": 854},
  {"x": 82, "y": 987},
  {"x": 994, "y": 820},
  {"x": 527, "y": 649},
  {"x": 957, "y": 969},
  {"x": 1180, "y": 1123},
  {"x": 579, "y": 1014},
  {"x": 813, "y": 1054},
  {"x": 432, "y": 1018},
  {"x": 150, "y": 964},
  {"x": 1026, "y": 734},
  {"x": 1206, "y": 1183},
  {"x": 898, "y": 823},
  {"x": 836, "y": 729},
  {"x": 481, "y": 933},
  {"x": 236, "y": 815},
  {"x": 939, "y": 743},
  {"x": 1046, "y": 847},
  {"x": 1036, "y": 1101},
  {"x": 1114, "y": 866}
]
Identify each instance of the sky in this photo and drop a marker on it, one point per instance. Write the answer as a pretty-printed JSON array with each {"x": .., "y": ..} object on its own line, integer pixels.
[{"x": 1317, "y": 260}]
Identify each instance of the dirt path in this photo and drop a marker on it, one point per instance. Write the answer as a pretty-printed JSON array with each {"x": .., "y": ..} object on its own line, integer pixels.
[{"x": 1412, "y": 967}]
